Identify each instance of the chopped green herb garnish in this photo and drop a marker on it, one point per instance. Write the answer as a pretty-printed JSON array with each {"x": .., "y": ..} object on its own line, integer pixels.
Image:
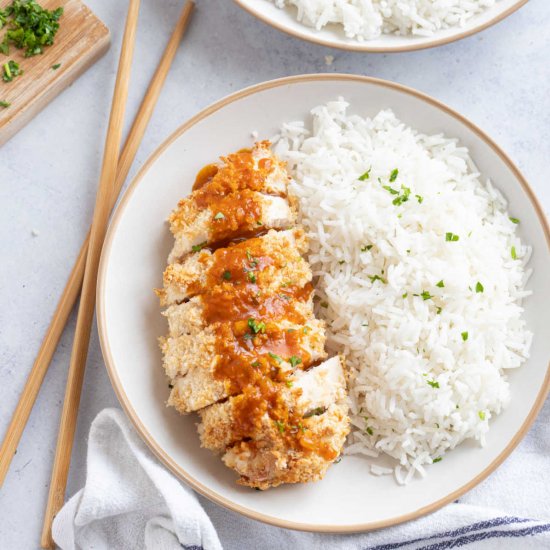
[
  {"x": 390, "y": 190},
  {"x": 366, "y": 247},
  {"x": 289, "y": 383},
  {"x": 365, "y": 176},
  {"x": 324, "y": 304},
  {"x": 251, "y": 277},
  {"x": 259, "y": 222},
  {"x": 280, "y": 426},
  {"x": 256, "y": 326},
  {"x": 393, "y": 175},
  {"x": 255, "y": 364},
  {"x": 425, "y": 295},
  {"x": 369, "y": 430},
  {"x": 464, "y": 336},
  {"x": 198, "y": 247},
  {"x": 315, "y": 412},
  {"x": 404, "y": 197},
  {"x": 294, "y": 360},
  {"x": 438, "y": 310},
  {"x": 513, "y": 253},
  {"x": 342, "y": 262},
  {"x": 479, "y": 287},
  {"x": 375, "y": 278},
  {"x": 441, "y": 284},
  {"x": 11, "y": 70},
  {"x": 276, "y": 357},
  {"x": 56, "y": 66},
  {"x": 405, "y": 295},
  {"x": 4, "y": 46},
  {"x": 433, "y": 383},
  {"x": 419, "y": 199},
  {"x": 31, "y": 27},
  {"x": 219, "y": 216},
  {"x": 451, "y": 237},
  {"x": 514, "y": 220},
  {"x": 227, "y": 275},
  {"x": 4, "y": 104},
  {"x": 438, "y": 459},
  {"x": 481, "y": 415}
]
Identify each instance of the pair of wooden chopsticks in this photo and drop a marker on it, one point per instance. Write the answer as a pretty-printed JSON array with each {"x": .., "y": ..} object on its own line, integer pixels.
[{"x": 84, "y": 273}]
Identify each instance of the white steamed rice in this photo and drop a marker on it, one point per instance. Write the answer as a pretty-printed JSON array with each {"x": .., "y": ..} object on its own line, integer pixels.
[
  {"x": 368, "y": 19},
  {"x": 421, "y": 381}
]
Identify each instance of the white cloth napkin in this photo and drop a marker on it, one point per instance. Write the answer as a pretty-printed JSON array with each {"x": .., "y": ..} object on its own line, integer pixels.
[{"x": 132, "y": 502}]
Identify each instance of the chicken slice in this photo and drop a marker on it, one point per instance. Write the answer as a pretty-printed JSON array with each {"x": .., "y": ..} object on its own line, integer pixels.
[
  {"x": 311, "y": 392},
  {"x": 270, "y": 261},
  {"x": 262, "y": 465},
  {"x": 257, "y": 169},
  {"x": 194, "y": 362},
  {"x": 239, "y": 214},
  {"x": 201, "y": 351},
  {"x": 218, "y": 305}
]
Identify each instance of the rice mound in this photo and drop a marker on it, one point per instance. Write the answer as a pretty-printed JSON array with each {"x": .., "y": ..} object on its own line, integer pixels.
[
  {"x": 420, "y": 277},
  {"x": 368, "y": 19}
]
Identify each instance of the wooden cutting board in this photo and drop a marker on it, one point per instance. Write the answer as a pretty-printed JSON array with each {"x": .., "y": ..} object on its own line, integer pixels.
[{"x": 80, "y": 41}]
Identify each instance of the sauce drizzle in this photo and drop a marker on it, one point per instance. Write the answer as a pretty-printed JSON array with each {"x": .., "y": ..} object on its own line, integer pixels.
[{"x": 255, "y": 352}]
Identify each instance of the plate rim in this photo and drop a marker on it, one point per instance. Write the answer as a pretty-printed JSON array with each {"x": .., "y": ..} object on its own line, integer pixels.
[
  {"x": 365, "y": 48},
  {"x": 147, "y": 437}
]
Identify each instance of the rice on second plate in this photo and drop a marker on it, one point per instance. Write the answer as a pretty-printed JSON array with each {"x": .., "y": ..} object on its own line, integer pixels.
[
  {"x": 367, "y": 19},
  {"x": 420, "y": 279}
]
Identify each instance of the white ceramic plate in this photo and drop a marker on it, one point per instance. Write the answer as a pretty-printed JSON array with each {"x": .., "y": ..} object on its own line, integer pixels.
[
  {"x": 333, "y": 35},
  {"x": 349, "y": 498}
]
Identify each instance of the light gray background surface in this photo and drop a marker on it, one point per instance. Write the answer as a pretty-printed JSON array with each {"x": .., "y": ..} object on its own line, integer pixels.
[{"x": 500, "y": 79}]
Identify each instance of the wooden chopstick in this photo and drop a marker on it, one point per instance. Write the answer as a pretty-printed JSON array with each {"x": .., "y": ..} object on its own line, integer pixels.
[
  {"x": 86, "y": 308},
  {"x": 74, "y": 283}
]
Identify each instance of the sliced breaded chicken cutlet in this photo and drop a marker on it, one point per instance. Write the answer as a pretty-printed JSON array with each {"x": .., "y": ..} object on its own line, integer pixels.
[
  {"x": 308, "y": 394},
  {"x": 263, "y": 465},
  {"x": 219, "y": 305},
  {"x": 245, "y": 194},
  {"x": 226, "y": 357},
  {"x": 292, "y": 438},
  {"x": 244, "y": 347},
  {"x": 270, "y": 261}
]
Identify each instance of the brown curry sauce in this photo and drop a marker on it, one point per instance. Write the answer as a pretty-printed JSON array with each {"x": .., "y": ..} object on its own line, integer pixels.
[{"x": 250, "y": 347}]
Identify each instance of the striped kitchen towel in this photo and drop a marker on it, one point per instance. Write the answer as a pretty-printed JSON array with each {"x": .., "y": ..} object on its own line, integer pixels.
[{"x": 455, "y": 526}]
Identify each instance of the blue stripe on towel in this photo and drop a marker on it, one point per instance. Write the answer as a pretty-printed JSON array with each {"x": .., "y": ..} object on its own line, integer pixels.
[
  {"x": 495, "y": 522},
  {"x": 484, "y": 535}
]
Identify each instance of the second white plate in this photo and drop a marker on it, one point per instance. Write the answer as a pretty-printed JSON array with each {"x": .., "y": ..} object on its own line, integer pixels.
[{"x": 334, "y": 36}]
